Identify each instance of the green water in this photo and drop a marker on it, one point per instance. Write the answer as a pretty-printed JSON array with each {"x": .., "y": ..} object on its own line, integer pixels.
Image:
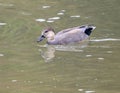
[{"x": 30, "y": 67}]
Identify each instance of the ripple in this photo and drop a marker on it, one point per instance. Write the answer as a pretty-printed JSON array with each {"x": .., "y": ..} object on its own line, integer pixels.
[
  {"x": 14, "y": 80},
  {"x": 3, "y": 4},
  {"x": 41, "y": 20},
  {"x": 25, "y": 13},
  {"x": 63, "y": 10},
  {"x": 89, "y": 91},
  {"x": 106, "y": 39},
  {"x": 1, "y": 24},
  {"x": 103, "y": 13},
  {"x": 87, "y": 17},
  {"x": 46, "y": 6},
  {"x": 54, "y": 18},
  {"x": 41, "y": 82},
  {"x": 68, "y": 48},
  {"x": 50, "y": 21},
  {"x": 100, "y": 58},
  {"x": 1, "y": 55},
  {"x": 80, "y": 89},
  {"x": 109, "y": 51},
  {"x": 60, "y": 13},
  {"x": 75, "y": 16},
  {"x": 88, "y": 55}
]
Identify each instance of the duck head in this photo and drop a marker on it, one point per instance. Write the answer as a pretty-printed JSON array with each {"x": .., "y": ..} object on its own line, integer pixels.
[{"x": 47, "y": 33}]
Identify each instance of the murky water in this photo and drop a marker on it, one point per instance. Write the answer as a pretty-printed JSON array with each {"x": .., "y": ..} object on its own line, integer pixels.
[{"x": 30, "y": 67}]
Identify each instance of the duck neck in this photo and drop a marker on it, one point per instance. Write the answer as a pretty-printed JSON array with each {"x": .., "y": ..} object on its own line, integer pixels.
[{"x": 50, "y": 38}]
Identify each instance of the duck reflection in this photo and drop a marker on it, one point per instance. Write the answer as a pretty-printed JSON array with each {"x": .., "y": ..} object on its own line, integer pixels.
[{"x": 48, "y": 51}]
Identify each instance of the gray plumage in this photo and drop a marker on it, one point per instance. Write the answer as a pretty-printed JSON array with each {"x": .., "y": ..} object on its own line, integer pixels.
[{"x": 67, "y": 36}]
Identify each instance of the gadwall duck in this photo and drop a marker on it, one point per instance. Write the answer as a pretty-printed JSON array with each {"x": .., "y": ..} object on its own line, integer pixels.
[{"x": 67, "y": 36}]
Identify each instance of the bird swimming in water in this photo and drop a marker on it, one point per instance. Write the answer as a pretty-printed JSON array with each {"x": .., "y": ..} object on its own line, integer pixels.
[{"x": 67, "y": 36}]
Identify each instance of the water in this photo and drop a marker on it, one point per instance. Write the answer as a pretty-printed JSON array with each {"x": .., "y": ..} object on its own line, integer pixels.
[{"x": 30, "y": 67}]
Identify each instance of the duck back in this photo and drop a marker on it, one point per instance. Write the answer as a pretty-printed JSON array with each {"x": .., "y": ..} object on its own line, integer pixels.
[{"x": 69, "y": 36}]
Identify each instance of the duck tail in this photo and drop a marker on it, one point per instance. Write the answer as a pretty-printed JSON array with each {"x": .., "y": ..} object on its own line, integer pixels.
[{"x": 89, "y": 29}]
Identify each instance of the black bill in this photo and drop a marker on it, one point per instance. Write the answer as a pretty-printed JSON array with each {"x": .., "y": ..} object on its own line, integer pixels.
[{"x": 40, "y": 38}]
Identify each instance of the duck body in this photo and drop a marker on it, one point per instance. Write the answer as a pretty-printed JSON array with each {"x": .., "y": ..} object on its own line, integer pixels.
[{"x": 67, "y": 36}]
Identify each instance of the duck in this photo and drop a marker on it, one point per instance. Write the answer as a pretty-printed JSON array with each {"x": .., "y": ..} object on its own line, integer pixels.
[{"x": 66, "y": 36}]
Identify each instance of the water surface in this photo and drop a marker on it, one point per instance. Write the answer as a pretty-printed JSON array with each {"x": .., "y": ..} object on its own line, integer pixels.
[{"x": 30, "y": 67}]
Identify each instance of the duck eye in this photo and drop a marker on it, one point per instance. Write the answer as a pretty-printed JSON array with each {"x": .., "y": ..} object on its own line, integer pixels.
[
  {"x": 46, "y": 31},
  {"x": 43, "y": 36}
]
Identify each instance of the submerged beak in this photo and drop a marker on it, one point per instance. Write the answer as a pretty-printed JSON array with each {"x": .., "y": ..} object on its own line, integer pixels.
[{"x": 40, "y": 38}]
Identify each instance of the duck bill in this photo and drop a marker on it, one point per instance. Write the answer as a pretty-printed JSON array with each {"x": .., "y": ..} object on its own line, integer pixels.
[{"x": 40, "y": 38}]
